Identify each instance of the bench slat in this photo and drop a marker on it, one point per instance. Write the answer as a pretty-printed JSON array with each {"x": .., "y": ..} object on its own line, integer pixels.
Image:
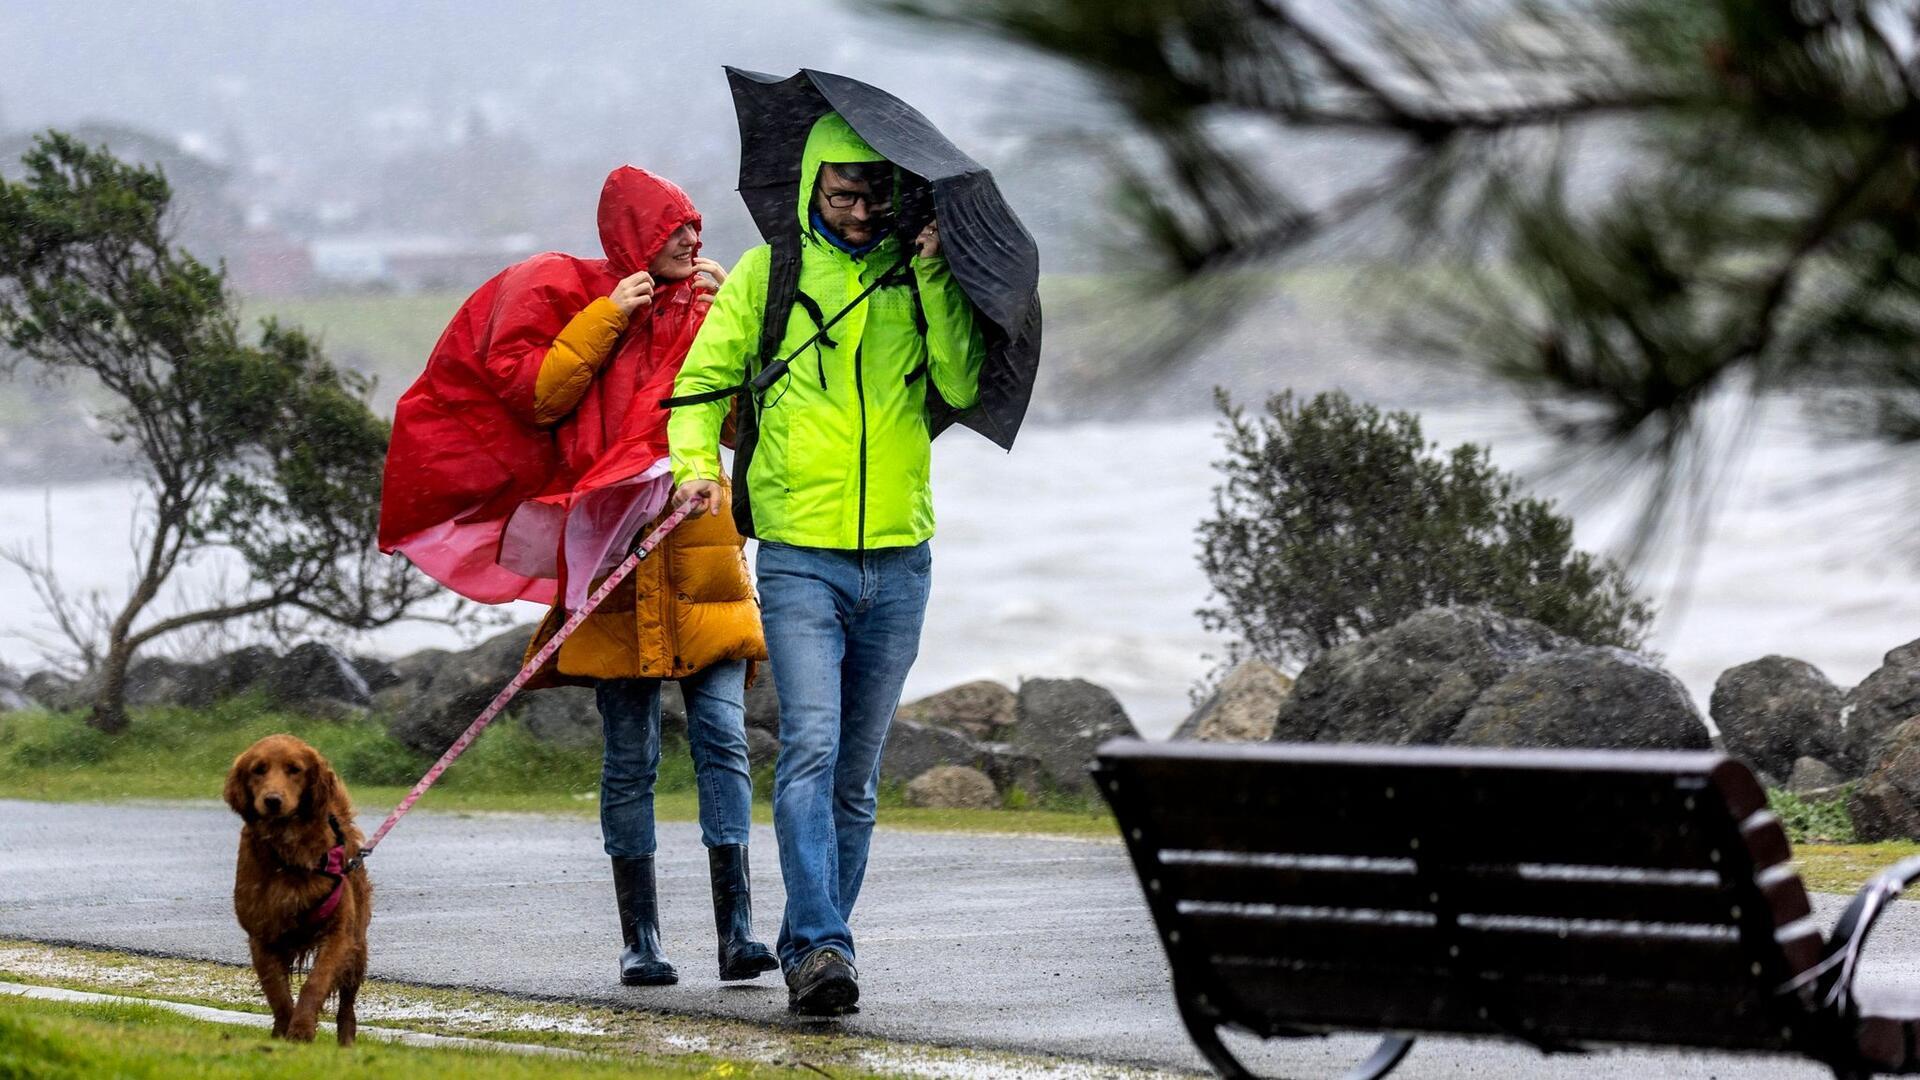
[
  {"x": 1539, "y": 1009},
  {"x": 1600, "y": 819},
  {"x": 1488, "y": 891},
  {"x": 1504, "y": 836},
  {"x": 1618, "y": 954}
]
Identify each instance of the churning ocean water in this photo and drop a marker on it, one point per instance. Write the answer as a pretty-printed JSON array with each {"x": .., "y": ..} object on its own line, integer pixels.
[{"x": 1075, "y": 556}]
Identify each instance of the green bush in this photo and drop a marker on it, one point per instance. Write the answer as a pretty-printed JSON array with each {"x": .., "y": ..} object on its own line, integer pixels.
[
  {"x": 1809, "y": 820},
  {"x": 48, "y": 740},
  {"x": 1334, "y": 520}
]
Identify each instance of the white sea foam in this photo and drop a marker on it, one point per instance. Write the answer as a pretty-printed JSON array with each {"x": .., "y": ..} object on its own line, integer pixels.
[{"x": 1075, "y": 556}]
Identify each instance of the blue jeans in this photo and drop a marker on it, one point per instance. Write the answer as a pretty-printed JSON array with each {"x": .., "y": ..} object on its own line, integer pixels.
[
  {"x": 843, "y": 628},
  {"x": 717, "y": 735}
]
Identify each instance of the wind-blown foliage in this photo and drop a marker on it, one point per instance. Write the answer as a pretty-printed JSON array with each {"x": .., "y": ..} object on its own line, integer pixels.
[
  {"x": 1636, "y": 203},
  {"x": 1334, "y": 520},
  {"x": 257, "y": 446}
]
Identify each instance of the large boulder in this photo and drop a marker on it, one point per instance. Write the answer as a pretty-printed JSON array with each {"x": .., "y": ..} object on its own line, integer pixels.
[
  {"x": 462, "y": 684},
  {"x": 420, "y": 667},
  {"x": 158, "y": 680},
  {"x": 379, "y": 674},
  {"x": 151, "y": 681},
  {"x": 1587, "y": 696},
  {"x": 55, "y": 691},
  {"x": 13, "y": 693},
  {"x": 1886, "y": 805},
  {"x": 1882, "y": 702},
  {"x": 673, "y": 709},
  {"x": 414, "y": 672},
  {"x": 317, "y": 677},
  {"x": 1811, "y": 776},
  {"x": 980, "y": 710},
  {"x": 763, "y": 748},
  {"x": 562, "y": 715},
  {"x": 763, "y": 700},
  {"x": 953, "y": 787},
  {"x": 1062, "y": 722},
  {"x": 1775, "y": 710},
  {"x": 913, "y": 748},
  {"x": 1411, "y": 683},
  {"x": 1244, "y": 708},
  {"x": 1011, "y": 767},
  {"x": 229, "y": 674}
]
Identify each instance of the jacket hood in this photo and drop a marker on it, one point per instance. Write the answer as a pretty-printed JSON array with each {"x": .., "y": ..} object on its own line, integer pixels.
[
  {"x": 832, "y": 139},
  {"x": 638, "y": 212}
]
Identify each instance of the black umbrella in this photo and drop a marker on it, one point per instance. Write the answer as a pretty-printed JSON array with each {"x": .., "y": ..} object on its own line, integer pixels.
[{"x": 992, "y": 255}]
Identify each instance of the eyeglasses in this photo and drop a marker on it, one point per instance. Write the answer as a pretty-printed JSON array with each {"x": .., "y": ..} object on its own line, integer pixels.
[{"x": 844, "y": 200}]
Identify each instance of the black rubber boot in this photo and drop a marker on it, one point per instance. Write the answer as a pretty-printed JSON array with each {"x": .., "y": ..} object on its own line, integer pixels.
[
  {"x": 741, "y": 957},
  {"x": 643, "y": 962}
]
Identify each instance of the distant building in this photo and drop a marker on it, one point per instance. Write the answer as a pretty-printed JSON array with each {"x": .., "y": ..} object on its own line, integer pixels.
[{"x": 416, "y": 263}]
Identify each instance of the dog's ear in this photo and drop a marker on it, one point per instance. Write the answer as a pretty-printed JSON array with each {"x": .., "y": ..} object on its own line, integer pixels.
[
  {"x": 239, "y": 793},
  {"x": 323, "y": 788}
]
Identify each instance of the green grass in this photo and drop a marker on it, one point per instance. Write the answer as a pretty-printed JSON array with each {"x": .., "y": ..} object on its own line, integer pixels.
[
  {"x": 1843, "y": 868},
  {"x": 387, "y": 337},
  {"x": 176, "y": 753},
  {"x": 42, "y": 1040}
]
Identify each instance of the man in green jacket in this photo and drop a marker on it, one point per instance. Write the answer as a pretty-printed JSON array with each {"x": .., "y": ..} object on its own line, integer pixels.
[{"x": 838, "y": 490}]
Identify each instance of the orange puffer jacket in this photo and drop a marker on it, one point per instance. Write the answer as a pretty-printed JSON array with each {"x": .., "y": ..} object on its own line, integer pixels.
[{"x": 688, "y": 605}]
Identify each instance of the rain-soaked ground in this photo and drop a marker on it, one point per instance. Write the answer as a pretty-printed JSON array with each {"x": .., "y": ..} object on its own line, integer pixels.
[{"x": 1036, "y": 945}]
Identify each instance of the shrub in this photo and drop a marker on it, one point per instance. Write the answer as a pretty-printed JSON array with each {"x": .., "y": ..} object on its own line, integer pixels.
[
  {"x": 53, "y": 740},
  {"x": 1334, "y": 520},
  {"x": 1814, "y": 820}
]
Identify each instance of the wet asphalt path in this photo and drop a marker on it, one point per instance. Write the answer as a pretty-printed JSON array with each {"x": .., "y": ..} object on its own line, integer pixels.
[{"x": 1036, "y": 945}]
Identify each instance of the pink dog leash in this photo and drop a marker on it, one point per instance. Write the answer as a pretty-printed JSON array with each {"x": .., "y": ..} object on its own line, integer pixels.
[{"x": 527, "y": 671}]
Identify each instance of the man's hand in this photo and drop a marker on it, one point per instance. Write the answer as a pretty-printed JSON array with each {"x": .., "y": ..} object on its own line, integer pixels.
[
  {"x": 699, "y": 489},
  {"x": 708, "y": 276},
  {"x": 929, "y": 240},
  {"x": 634, "y": 292}
]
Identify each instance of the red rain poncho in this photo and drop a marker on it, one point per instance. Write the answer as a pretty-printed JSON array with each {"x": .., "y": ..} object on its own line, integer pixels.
[{"x": 484, "y": 499}]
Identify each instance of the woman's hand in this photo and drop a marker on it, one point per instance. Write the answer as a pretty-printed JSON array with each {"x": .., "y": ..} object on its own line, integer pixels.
[
  {"x": 634, "y": 292},
  {"x": 699, "y": 489},
  {"x": 708, "y": 276}
]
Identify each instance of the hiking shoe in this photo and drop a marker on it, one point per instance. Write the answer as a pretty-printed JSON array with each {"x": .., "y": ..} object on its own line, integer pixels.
[{"x": 823, "y": 985}]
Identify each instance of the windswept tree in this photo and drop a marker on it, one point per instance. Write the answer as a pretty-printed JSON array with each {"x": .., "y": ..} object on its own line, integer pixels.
[
  {"x": 249, "y": 443},
  {"x": 1334, "y": 520},
  {"x": 1634, "y": 204}
]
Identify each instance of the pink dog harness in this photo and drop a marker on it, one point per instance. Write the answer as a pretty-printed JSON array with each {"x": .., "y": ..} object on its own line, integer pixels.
[{"x": 337, "y": 867}]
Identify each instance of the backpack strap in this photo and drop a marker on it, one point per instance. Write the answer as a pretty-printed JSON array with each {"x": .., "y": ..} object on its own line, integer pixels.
[
  {"x": 783, "y": 285},
  {"x": 818, "y": 316}
]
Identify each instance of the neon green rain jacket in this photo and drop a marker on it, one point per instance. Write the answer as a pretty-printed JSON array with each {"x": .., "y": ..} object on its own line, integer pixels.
[{"x": 843, "y": 458}]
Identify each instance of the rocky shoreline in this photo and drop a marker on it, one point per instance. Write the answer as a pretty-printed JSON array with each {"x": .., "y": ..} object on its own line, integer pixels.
[{"x": 1444, "y": 676}]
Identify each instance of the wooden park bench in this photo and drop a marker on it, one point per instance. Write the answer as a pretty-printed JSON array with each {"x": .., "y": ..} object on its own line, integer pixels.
[{"x": 1561, "y": 898}]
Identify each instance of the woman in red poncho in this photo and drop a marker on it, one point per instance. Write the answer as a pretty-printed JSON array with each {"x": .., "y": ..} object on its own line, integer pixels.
[{"x": 525, "y": 460}]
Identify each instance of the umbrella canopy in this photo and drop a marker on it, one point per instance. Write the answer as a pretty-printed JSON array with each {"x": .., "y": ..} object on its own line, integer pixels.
[{"x": 992, "y": 255}]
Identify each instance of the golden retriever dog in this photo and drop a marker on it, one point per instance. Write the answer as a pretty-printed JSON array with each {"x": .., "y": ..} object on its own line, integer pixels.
[{"x": 299, "y": 891}]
